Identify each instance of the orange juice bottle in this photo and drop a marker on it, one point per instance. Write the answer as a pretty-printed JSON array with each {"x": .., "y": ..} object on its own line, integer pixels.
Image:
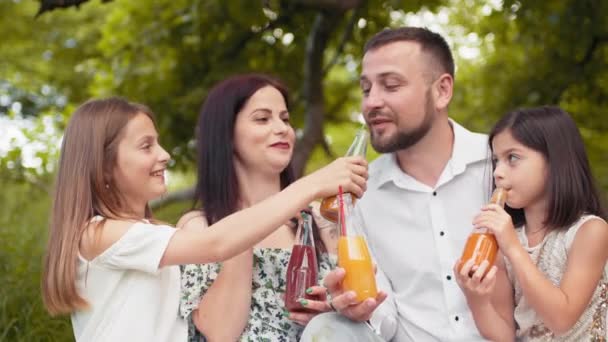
[
  {"x": 481, "y": 244},
  {"x": 353, "y": 255},
  {"x": 329, "y": 205}
]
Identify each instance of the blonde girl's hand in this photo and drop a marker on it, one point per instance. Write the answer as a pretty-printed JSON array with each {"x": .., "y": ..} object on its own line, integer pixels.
[
  {"x": 476, "y": 287},
  {"x": 348, "y": 172},
  {"x": 499, "y": 222},
  {"x": 318, "y": 306}
]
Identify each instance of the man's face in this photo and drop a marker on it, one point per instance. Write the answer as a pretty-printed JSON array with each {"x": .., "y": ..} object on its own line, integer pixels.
[{"x": 397, "y": 102}]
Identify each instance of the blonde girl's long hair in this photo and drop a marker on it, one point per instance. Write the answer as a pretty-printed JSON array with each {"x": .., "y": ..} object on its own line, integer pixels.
[{"x": 83, "y": 189}]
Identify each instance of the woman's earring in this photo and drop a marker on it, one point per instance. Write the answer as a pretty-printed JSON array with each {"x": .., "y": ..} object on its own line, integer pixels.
[{"x": 107, "y": 186}]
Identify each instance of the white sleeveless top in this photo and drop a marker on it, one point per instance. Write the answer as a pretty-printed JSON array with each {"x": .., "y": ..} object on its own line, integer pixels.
[
  {"x": 551, "y": 256},
  {"x": 130, "y": 297}
]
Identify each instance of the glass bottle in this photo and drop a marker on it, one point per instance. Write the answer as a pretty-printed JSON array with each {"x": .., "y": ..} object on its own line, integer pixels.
[
  {"x": 353, "y": 254},
  {"x": 302, "y": 269},
  {"x": 481, "y": 244},
  {"x": 329, "y": 205}
]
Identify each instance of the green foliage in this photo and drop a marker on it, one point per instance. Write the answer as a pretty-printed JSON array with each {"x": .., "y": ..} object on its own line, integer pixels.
[
  {"x": 168, "y": 53},
  {"x": 531, "y": 56},
  {"x": 54, "y": 49},
  {"x": 172, "y": 212}
]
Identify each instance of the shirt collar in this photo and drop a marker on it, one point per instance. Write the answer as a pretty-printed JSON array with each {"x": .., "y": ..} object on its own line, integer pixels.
[{"x": 468, "y": 148}]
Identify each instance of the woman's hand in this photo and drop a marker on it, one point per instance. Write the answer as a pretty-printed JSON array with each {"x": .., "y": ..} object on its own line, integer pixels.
[
  {"x": 318, "y": 306},
  {"x": 348, "y": 172},
  {"x": 499, "y": 222}
]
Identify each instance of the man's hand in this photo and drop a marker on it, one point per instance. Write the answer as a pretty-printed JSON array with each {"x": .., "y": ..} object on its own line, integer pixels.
[{"x": 346, "y": 302}]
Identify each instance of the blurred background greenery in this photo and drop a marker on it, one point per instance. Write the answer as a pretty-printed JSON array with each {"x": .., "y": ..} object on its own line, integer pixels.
[{"x": 167, "y": 54}]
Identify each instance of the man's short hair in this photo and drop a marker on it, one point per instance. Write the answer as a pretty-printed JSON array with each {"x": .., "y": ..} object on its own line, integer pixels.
[{"x": 431, "y": 42}]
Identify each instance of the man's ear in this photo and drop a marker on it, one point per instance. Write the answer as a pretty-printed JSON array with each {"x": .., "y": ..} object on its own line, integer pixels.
[{"x": 442, "y": 91}]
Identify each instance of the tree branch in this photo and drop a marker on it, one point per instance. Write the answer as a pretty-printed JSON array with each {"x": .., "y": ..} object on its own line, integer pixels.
[
  {"x": 596, "y": 42},
  {"x": 327, "y": 149},
  {"x": 346, "y": 36},
  {"x": 49, "y": 5},
  {"x": 316, "y": 44},
  {"x": 330, "y": 5}
]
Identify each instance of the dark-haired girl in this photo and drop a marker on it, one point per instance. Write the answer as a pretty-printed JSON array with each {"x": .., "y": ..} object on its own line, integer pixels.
[{"x": 552, "y": 283}]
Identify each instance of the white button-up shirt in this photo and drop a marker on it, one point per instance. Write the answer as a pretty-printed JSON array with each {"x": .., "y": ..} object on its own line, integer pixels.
[{"x": 416, "y": 234}]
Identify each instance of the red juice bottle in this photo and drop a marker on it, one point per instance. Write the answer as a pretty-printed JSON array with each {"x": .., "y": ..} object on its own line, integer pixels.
[{"x": 302, "y": 268}]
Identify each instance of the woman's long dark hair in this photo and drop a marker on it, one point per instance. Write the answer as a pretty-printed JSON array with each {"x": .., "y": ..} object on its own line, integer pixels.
[
  {"x": 217, "y": 187},
  {"x": 571, "y": 189}
]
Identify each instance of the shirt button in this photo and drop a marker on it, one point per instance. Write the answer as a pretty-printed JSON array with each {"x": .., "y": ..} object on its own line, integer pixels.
[
  {"x": 434, "y": 193},
  {"x": 449, "y": 277},
  {"x": 456, "y": 318},
  {"x": 441, "y": 233}
]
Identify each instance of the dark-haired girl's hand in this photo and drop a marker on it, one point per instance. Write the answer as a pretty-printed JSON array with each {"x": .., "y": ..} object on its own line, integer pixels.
[
  {"x": 348, "y": 172},
  {"x": 476, "y": 287},
  {"x": 499, "y": 222}
]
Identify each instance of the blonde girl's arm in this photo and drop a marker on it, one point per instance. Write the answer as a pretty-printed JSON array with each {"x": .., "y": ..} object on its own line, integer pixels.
[
  {"x": 235, "y": 233},
  {"x": 230, "y": 292},
  {"x": 560, "y": 306}
]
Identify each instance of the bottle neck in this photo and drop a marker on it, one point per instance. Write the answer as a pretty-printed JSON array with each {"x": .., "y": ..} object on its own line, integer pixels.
[{"x": 359, "y": 145}]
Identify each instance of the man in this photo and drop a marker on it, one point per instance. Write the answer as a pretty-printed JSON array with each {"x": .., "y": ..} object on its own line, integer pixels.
[{"x": 422, "y": 195}]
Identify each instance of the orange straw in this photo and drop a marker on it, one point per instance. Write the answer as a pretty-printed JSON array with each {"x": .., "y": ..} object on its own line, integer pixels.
[{"x": 341, "y": 205}]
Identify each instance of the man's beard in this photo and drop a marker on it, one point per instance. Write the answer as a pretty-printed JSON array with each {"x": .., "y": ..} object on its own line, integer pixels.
[{"x": 404, "y": 140}]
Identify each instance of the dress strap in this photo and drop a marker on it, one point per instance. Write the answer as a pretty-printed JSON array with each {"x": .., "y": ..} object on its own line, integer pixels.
[{"x": 571, "y": 233}]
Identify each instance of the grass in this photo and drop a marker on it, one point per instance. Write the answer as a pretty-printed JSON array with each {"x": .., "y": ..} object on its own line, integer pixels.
[
  {"x": 24, "y": 213},
  {"x": 23, "y": 229}
]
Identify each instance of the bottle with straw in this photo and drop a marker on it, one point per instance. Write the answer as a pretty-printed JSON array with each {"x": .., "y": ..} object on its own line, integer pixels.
[
  {"x": 329, "y": 205},
  {"x": 353, "y": 254},
  {"x": 481, "y": 244}
]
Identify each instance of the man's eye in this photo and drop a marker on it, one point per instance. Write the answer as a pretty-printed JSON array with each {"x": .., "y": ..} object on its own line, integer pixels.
[{"x": 391, "y": 87}]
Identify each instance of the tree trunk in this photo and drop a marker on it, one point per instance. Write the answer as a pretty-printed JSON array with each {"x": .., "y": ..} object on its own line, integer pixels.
[{"x": 324, "y": 25}]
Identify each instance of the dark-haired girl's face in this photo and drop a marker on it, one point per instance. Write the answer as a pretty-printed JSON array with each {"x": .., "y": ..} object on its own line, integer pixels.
[
  {"x": 263, "y": 136},
  {"x": 521, "y": 170}
]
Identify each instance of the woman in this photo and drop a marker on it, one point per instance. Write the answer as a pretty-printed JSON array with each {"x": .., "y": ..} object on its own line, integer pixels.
[{"x": 245, "y": 145}]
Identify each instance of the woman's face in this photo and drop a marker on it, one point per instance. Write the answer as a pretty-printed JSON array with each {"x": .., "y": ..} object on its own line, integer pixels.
[{"x": 263, "y": 136}]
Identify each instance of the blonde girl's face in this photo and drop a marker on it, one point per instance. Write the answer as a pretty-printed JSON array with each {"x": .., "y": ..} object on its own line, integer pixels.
[
  {"x": 519, "y": 169},
  {"x": 139, "y": 173},
  {"x": 263, "y": 136}
]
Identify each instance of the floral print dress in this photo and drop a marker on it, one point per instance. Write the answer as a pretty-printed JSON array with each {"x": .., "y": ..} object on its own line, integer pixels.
[{"x": 266, "y": 321}]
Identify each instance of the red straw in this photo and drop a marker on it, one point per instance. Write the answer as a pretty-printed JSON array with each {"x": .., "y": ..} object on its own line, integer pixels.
[{"x": 341, "y": 205}]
